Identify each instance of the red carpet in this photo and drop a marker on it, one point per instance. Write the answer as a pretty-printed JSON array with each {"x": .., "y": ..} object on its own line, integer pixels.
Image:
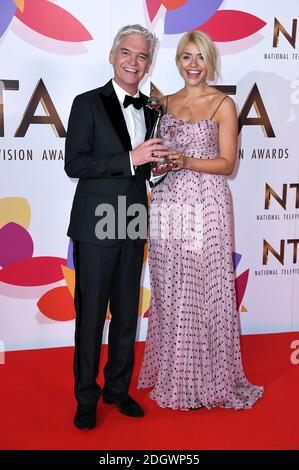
[{"x": 37, "y": 406}]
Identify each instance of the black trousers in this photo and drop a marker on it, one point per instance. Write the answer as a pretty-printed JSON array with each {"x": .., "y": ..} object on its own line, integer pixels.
[{"x": 103, "y": 274}]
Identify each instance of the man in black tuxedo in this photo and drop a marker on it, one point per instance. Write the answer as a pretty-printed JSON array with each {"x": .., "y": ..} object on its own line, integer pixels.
[{"x": 107, "y": 149}]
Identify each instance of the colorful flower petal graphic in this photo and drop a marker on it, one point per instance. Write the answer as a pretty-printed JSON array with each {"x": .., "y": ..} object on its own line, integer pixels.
[
  {"x": 241, "y": 284},
  {"x": 190, "y": 15},
  {"x": 236, "y": 259},
  {"x": 7, "y": 12},
  {"x": 145, "y": 253},
  {"x": 15, "y": 244},
  {"x": 69, "y": 276},
  {"x": 153, "y": 7},
  {"x": 108, "y": 313},
  {"x": 144, "y": 301},
  {"x": 173, "y": 4},
  {"x": 57, "y": 304},
  {"x": 14, "y": 209},
  {"x": 231, "y": 25},
  {"x": 70, "y": 259},
  {"x": 145, "y": 315},
  {"x": 20, "y": 4},
  {"x": 52, "y": 21},
  {"x": 37, "y": 271}
]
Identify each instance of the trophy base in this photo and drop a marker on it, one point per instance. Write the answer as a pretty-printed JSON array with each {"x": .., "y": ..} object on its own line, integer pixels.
[{"x": 162, "y": 167}]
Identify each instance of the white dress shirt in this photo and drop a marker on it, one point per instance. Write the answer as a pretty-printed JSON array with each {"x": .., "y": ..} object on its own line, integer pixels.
[{"x": 134, "y": 120}]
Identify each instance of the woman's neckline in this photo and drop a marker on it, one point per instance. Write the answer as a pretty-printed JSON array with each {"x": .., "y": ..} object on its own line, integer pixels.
[{"x": 190, "y": 122}]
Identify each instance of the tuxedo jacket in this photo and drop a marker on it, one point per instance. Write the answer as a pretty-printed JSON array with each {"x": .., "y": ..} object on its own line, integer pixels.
[{"x": 97, "y": 152}]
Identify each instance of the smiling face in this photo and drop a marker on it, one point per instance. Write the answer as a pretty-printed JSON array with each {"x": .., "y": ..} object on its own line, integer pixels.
[
  {"x": 192, "y": 65},
  {"x": 131, "y": 61}
]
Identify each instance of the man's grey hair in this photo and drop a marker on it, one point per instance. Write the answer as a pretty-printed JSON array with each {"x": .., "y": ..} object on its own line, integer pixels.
[{"x": 136, "y": 29}]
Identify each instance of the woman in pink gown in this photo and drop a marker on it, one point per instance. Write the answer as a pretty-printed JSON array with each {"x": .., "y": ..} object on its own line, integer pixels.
[{"x": 192, "y": 353}]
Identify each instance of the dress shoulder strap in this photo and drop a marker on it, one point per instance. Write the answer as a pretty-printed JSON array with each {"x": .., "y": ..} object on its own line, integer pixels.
[{"x": 218, "y": 106}]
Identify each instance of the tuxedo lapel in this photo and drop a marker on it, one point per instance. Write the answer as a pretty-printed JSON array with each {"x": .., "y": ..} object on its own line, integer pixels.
[
  {"x": 115, "y": 114},
  {"x": 113, "y": 109},
  {"x": 149, "y": 116}
]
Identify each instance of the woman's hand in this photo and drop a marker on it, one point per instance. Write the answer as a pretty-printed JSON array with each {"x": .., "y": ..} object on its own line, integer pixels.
[
  {"x": 177, "y": 159},
  {"x": 159, "y": 169}
]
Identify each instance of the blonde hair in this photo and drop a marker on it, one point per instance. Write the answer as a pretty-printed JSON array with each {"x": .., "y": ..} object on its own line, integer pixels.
[{"x": 206, "y": 47}]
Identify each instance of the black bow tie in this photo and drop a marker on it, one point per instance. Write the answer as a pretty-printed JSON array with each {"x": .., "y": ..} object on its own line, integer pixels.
[{"x": 136, "y": 102}]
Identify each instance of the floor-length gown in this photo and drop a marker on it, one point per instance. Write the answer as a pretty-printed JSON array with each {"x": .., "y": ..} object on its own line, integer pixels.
[{"x": 192, "y": 354}]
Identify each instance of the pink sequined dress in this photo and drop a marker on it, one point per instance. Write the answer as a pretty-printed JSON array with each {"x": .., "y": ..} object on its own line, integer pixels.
[{"x": 192, "y": 354}]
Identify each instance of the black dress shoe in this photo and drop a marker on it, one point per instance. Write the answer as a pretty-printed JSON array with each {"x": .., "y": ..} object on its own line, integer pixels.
[
  {"x": 125, "y": 404},
  {"x": 86, "y": 416}
]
